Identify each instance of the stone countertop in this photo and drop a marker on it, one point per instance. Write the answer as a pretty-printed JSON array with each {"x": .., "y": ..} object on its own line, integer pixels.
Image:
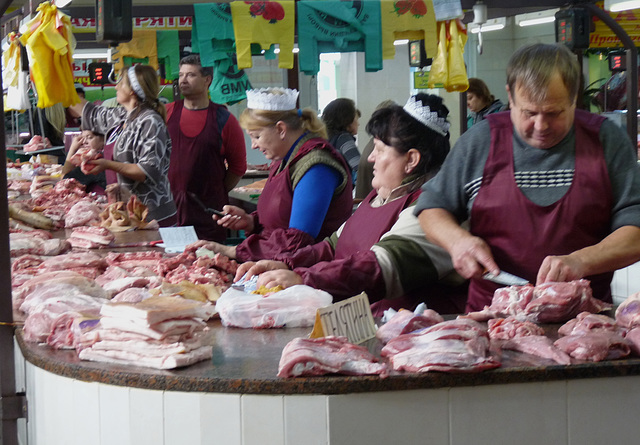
[{"x": 245, "y": 361}]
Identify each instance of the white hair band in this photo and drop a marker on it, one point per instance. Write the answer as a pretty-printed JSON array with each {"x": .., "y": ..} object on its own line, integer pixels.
[{"x": 135, "y": 85}]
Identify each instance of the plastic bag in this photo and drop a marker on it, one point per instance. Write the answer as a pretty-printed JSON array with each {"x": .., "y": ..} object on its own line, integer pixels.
[
  {"x": 457, "y": 80},
  {"x": 439, "y": 74},
  {"x": 292, "y": 307}
]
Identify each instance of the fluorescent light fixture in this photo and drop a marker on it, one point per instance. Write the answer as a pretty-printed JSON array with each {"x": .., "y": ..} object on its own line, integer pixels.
[
  {"x": 621, "y": 5},
  {"x": 277, "y": 50},
  {"x": 490, "y": 25},
  {"x": 536, "y": 18},
  {"x": 91, "y": 53},
  {"x": 401, "y": 42}
]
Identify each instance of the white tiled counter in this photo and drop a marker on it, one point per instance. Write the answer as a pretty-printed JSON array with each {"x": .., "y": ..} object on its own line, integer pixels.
[
  {"x": 625, "y": 282},
  {"x": 524, "y": 402}
]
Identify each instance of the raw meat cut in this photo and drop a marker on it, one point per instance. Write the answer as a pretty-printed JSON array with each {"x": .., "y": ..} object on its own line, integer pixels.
[
  {"x": 170, "y": 361},
  {"x": 546, "y": 303},
  {"x": 327, "y": 355},
  {"x": 85, "y": 285},
  {"x": 73, "y": 260},
  {"x": 83, "y": 213},
  {"x": 633, "y": 337},
  {"x": 594, "y": 346},
  {"x": 405, "y": 322},
  {"x": 510, "y": 327},
  {"x": 159, "y": 308},
  {"x": 538, "y": 345},
  {"x": 460, "y": 345},
  {"x": 628, "y": 313},
  {"x": 587, "y": 322}
]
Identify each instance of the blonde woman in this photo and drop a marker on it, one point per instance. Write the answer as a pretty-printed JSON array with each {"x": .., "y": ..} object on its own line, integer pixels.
[
  {"x": 308, "y": 193},
  {"x": 138, "y": 146}
]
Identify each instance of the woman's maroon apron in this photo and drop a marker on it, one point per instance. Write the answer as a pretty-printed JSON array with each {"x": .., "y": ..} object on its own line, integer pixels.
[
  {"x": 197, "y": 166},
  {"x": 520, "y": 233},
  {"x": 276, "y": 199},
  {"x": 365, "y": 228}
]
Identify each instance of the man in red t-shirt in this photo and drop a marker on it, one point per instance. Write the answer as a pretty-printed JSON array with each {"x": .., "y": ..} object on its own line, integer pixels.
[{"x": 208, "y": 155}]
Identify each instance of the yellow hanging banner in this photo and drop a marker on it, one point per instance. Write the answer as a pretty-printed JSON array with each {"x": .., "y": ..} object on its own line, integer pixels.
[{"x": 603, "y": 37}]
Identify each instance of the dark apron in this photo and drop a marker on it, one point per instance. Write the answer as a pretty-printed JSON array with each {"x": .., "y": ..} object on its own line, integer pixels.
[
  {"x": 520, "y": 233},
  {"x": 197, "y": 166}
]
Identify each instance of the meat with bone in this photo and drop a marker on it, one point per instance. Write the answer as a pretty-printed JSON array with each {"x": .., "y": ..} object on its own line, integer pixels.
[
  {"x": 460, "y": 345},
  {"x": 628, "y": 313},
  {"x": 594, "y": 346},
  {"x": 546, "y": 303},
  {"x": 117, "y": 286},
  {"x": 587, "y": 322},
  {"x": 327, "y": 355},
  {"x": 83, "y": 213},
  {"x": 405, "y": 322},
  {"x": 91, "y": 237}
]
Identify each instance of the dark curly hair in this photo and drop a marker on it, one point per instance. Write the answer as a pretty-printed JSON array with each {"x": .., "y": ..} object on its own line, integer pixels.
[{"x": 398, "y": 129}]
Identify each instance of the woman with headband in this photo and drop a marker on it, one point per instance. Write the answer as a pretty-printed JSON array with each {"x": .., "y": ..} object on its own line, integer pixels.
[
  {"x": 138, "y": 140},
  {"x": 381, "y": 249},
  {"x": 308, "y": 193}
]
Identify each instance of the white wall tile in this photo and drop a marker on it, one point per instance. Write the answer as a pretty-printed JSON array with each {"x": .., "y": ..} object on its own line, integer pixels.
[
  {"x": 305, "y": 420},
  {"x": 619, "y": 285},
  {"x": 604, "y": 411},
  {"x": 220, "y": 418},
  {"x": 182, "y": 418},
  {"x": 20, "y": 364},
  {"x": 397, "y": 417},
  {"x": 86, "y": 412},
  {"x": 114, "y": 415},
  {"x": 146, "y": 410},
  {"x": 262, "y": 420},
  {"x": 526, "y": 414},
  {"x": 33, "y": 375}
]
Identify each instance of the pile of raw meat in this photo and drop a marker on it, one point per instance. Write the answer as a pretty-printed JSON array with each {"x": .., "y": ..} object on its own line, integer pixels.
[
  {"x": 422, "y": 341},
  {"x": 148, "y": 296}
]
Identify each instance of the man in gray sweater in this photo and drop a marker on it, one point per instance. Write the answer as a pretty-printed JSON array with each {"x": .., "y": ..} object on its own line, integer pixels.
[{"x": 550, "y": 193}]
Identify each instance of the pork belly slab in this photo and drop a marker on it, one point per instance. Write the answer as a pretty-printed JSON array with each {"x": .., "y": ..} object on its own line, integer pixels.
[
  {"x": 405, "y": 322},
  {"x": 169, "y": 361},
  {"x": 327, "y": 355}
]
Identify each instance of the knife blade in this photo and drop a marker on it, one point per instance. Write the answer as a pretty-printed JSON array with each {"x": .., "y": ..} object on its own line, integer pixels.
[
  {"x": 208, "y": 210},
  {"x": 505, "y": 278}
]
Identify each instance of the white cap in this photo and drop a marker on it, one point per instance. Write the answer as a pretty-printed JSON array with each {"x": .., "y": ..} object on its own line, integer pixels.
[{"x": 272, "y": 99}]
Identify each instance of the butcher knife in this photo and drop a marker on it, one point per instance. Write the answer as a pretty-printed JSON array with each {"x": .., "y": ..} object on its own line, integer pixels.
[
  {"x": 505, "y": 278},
  {"x": 208, "y": 210}
]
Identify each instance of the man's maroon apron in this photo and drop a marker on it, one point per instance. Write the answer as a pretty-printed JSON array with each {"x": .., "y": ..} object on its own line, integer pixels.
[
  {"x": 197, "y": 166},
  {"x": 520, "y": 233}
]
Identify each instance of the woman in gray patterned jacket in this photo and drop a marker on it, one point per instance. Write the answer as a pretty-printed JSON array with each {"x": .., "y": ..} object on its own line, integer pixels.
[{"x": 138, "y": 145}]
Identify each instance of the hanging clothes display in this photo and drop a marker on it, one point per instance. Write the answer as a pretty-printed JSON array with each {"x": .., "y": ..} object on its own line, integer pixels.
[
  {"x": 169, "y": 52},
  {"x": 265, "y": 23},
  {"x": 50, "y": 44},
  {"x": 142, "y": 45},
  {"x": 408, "y": 19},
  {"x": 336, "y": 26},
  {"x": 213, "y": 31},
  {"x": 15, "y": 80}
]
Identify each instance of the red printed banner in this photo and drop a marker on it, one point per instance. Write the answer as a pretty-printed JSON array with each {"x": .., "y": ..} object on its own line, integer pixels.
[{"x": 183, "y": 23}]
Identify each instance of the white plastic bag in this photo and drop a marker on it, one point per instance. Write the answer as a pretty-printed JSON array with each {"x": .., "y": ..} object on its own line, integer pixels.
[{"x": 292, "y": 307}]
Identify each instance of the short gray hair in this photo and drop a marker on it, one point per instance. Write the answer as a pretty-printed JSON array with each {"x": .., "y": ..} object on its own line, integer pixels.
[
  {"x": 531, "y": 67},
  {"x": 194, "y": 59}
]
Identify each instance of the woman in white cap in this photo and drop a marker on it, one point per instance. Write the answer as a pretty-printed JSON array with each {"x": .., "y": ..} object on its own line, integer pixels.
[
  {"x": 308, "y": 193},
  {"x": 137, "y": 146},
  {"x": 381, "y": 249}
]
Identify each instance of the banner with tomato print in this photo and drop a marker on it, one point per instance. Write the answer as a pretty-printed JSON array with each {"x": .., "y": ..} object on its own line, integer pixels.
[
  {"x": 265, "y": 23},
  {"x": 408, "y": 19}
]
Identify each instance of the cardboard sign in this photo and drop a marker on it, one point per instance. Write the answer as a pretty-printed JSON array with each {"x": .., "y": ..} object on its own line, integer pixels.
[
  {"x": 350, "y": 318},
  {"x": 175, "y": 239}
]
